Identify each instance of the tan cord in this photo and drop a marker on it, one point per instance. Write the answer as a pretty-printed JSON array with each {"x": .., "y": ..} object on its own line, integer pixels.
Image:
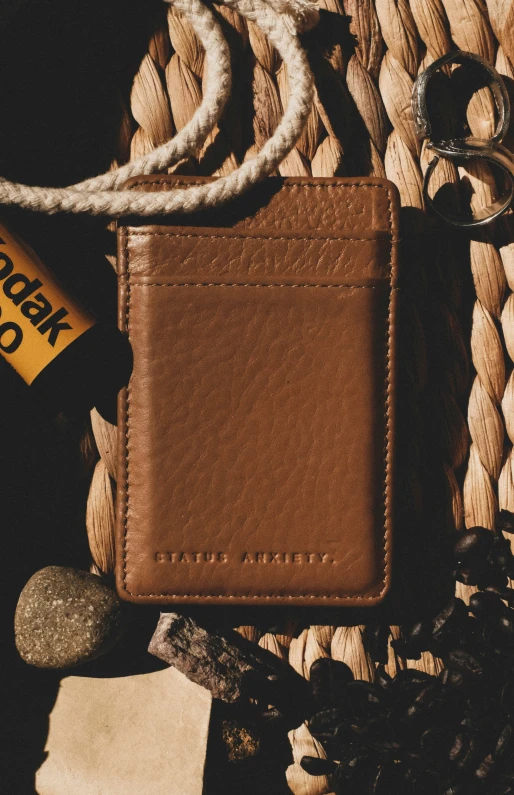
[{"x": 101, "y": 195}]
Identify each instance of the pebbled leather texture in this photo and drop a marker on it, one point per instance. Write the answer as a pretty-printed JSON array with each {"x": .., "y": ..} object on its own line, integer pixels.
[{"x": 256, "y": 433}]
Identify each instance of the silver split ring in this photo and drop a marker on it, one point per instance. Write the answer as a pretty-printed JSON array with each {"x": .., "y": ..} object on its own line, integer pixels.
[{"x": 467, "y": 148}]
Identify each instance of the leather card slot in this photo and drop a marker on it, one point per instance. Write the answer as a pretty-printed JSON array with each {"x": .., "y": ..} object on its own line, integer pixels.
[{"x": 256, "y": 434}]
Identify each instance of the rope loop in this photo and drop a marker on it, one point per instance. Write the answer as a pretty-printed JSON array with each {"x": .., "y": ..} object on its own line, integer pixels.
[{"x": 280, "y": 21}]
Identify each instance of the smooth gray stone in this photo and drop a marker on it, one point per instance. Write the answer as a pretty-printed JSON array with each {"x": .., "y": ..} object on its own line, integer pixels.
[{"x": 66, "y": 617}]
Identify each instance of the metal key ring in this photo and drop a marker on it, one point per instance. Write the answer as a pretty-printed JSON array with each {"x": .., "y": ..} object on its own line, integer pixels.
[{"x": 467, "y": 148}]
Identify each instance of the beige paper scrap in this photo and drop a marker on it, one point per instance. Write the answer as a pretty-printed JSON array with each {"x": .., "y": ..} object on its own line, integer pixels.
[{"x": 127, "y": 736}]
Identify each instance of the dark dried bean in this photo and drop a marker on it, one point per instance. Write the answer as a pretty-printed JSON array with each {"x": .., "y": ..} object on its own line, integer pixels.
[
  {"x": 495, "y": 589},
  {"x": 452, "y": 677},
  {"x": 358, "y": 731},
  {"x": 507, "y": 698},
  {"x": 505, "y": 744},
  {"x": 501, "y": 554},
  {"x": 331, "y": 746},
  {"x": 410, "y": 676},
  {"x": 466, "y": 663},
  {"x": 460, "y": 746},
  {"x": 506, "y": 521},
  {"x": 375, "y": 637},
  {"x": 359, "y": 767},
  {"x": 390, "y": 746},
  {"x": 316, "y": 766},
  {"x": 505, "y": 622},
  {"x": 494, "y": 579},
  {"x": 486, "y": 603},
  {"x": 485, "y": 767},
  {"x": 417, "y": 634},
  {"x": 388, "y": 780},
  {"x": 472, "y": 543},
  {"x": 325, "y": 721},
  {"x": 346, "y": 730},
  {"x": 470, "y": 576},
  {"x": 405, "y": 691},
  {"x": 403, "y": 649},
  {"x": 486, "y": 635},
  {"x": 271, "y": 715},
  {"x": 501, "y": 543},
  {"x": 463, "y": 750},
  {"x": 382, "y": 679},
  {"x": 482, "y": 574},
  {"x": 415, "y": 639},
  {"x": 502, "y": 559},
  {"x": 360, "y": 691},
  {"x": 426, "y": 701},
  {"x": 452, "y": 616},
  {"x": 367, "y": 700},
  {"x": 328, "y": 681}
]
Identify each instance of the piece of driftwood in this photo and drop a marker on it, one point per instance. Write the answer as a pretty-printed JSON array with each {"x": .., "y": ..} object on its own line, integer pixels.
[{"x": 228, "y": 665}]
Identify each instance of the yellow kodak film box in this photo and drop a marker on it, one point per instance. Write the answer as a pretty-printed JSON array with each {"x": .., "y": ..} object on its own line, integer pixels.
[{"x": 37, "y": 319}]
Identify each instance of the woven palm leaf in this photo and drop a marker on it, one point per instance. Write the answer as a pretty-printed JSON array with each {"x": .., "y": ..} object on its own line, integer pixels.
[{"x": 365, "y": 55}]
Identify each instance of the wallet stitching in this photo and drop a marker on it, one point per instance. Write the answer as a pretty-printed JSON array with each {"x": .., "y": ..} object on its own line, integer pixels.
[
  {"x": 387, "y": 413},
  {"x": 284, "y": 186},
  {"x": 338, "y": 239},
  {"x": 249, "y": 284}
]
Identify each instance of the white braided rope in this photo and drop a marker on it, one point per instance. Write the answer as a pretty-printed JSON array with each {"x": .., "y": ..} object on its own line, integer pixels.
[{"x": 99, "y": 195}]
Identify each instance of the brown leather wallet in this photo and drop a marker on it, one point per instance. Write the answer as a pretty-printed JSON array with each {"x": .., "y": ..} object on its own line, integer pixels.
[{"x": 256, "y": 433}]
